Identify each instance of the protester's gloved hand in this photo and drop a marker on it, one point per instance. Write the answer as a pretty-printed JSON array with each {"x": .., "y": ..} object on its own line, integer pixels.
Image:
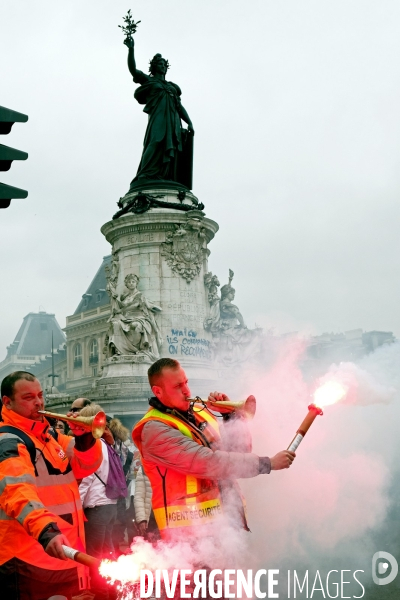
[{"x": 84, "y": 441}]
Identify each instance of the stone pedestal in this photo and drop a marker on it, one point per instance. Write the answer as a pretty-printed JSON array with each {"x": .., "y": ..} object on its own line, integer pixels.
[{"x": 167, "y": 249}]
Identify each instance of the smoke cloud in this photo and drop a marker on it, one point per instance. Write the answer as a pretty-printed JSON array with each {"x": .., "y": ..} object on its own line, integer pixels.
[
  {"x": 362, "y": 387},
  {"x": 330, "y": 509}
]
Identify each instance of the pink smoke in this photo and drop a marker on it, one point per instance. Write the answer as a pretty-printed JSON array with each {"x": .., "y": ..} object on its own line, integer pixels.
[{"x": 336, "y": 490}]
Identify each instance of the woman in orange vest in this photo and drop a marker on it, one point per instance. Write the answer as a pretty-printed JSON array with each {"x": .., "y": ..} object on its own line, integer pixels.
[
  {"x": 40, "y": 507},
  {"x": 191, "y": 474}
]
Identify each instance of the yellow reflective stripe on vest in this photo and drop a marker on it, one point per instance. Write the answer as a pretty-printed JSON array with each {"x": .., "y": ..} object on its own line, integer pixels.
[
  {"x": 191, "y": 486},
  {"x": 8, "y": 480},
  {"x": 154, "y": 413},
  {"x": 44, "y": 479},
  {"x": 29, "y": 507},
  {"x": 211, "y": 420},
  {"x": 181, "y": 515},
  {"x": 65, "y": 507},
  {"x": 190, "y": 507}
]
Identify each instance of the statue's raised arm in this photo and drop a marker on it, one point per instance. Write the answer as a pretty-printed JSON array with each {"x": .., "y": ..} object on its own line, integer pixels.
[{"x": 138, "y": 76}]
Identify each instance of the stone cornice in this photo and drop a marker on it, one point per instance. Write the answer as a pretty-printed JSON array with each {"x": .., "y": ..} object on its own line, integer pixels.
[
  {"x": 154, "y": 221},
  {"x": 84, "y": 325}
]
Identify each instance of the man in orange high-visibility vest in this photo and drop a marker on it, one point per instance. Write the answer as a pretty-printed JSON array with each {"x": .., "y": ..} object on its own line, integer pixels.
[
  {"x": 40, "y": 507},
  {"x": 185, "y": 457}
]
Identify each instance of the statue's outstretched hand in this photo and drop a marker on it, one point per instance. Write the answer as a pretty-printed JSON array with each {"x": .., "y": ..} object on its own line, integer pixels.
[{"x": 129, "y": 41}]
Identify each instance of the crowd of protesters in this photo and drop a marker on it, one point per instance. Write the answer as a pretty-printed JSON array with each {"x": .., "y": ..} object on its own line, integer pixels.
[
  {"x": 110, "y": 524},
  {"x": 60, "y": 490}
]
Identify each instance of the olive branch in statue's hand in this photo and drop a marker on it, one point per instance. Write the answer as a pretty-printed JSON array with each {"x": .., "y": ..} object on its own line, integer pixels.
[{"x": 129, "y": 27}]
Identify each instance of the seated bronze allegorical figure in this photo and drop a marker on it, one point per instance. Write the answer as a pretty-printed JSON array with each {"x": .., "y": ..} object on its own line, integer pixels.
[{"x": 167, "y": 148}]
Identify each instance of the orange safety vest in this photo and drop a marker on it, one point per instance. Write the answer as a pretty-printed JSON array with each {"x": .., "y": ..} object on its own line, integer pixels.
[
  {"x": 179, "y": 500},
  {"x": 32, "y": 497}
]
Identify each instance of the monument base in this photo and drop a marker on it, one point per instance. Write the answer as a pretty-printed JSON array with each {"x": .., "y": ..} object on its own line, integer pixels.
[
  {"x": 158, "y": 301},
  {"x": 159, "y": 195},
  {"x": 123, "y": 387}
]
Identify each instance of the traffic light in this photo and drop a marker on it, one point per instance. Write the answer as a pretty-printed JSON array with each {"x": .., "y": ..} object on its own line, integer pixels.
[{"x": 7, "y": 119}]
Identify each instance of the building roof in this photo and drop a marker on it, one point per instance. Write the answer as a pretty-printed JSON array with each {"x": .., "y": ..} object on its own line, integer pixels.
[
  {"x": 96, "y": 294},
  {"x": 34, "y": 335}
]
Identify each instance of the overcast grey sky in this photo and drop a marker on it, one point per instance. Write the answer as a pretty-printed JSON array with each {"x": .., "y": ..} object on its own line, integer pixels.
[{"x": 295, "y": 105}]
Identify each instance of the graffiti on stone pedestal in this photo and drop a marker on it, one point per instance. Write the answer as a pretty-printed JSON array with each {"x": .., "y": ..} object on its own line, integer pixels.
[{"x": 185, "y": 342}]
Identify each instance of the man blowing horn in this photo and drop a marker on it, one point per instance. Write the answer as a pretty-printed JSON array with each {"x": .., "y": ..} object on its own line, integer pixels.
[
  {"x": 186, "y": 457},
  {"x": 40, "y": 507}
]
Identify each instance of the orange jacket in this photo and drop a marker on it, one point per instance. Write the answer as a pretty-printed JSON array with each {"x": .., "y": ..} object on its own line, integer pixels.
[{"x": 33, "y": 497}]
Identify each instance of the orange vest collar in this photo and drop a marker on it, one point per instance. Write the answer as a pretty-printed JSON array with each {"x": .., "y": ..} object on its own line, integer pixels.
[{"x": 35, "y": 428}]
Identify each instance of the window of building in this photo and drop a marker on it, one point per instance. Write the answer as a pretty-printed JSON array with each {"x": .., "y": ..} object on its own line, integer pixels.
[
  {"x": 93, "y": 352},
  {"x": 94, "y": 371},
  {"x": 99, "y": 295},
  {"x": 86, "y": 300},
  {"x": 77, "y": 356}
]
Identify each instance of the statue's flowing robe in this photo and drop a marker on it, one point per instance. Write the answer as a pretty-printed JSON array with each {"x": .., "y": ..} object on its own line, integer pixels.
[
  {"x": 163, "y": 138},
  {"x": 136, "y": 330}
]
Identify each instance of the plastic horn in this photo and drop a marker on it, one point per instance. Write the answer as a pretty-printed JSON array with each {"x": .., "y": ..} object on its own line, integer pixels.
[
  {"x": 81, "y": 557},
  {"x": 95, "y": 424},
  {"x": 246, "y": 406}
]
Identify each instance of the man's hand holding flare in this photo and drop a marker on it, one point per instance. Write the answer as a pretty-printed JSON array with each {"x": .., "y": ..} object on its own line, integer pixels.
[
  {"x": 282, "y": 460},
  {"x": 55, "y": 547}
]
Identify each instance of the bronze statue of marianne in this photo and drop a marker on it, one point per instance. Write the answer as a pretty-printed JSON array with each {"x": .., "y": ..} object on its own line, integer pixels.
[{"x": 167, "y": 148}]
